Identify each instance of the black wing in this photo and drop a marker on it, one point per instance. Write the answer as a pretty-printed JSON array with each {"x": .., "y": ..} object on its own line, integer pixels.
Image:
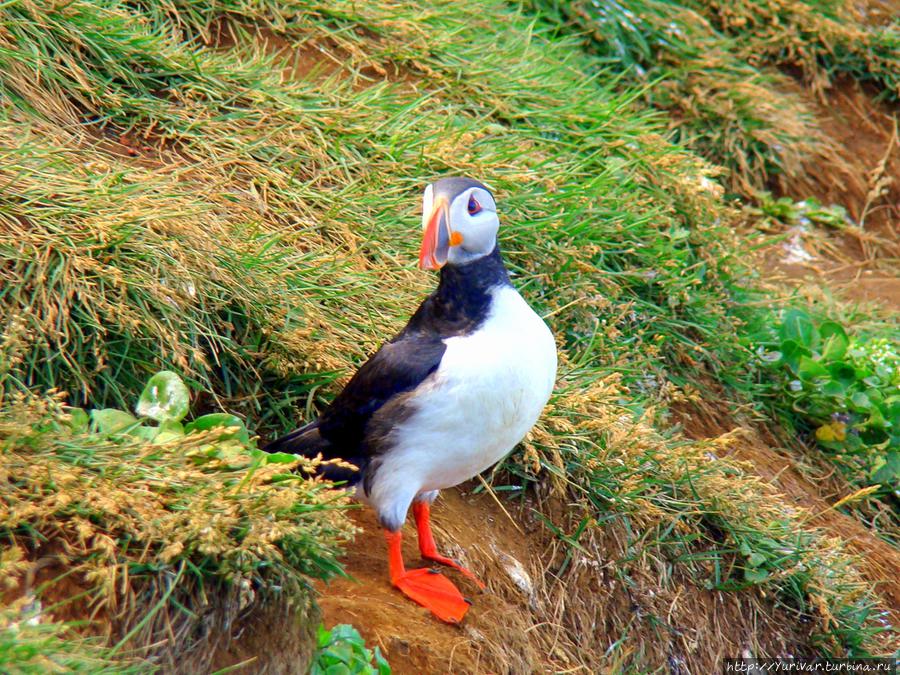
[{"x": 398, "y": 367}]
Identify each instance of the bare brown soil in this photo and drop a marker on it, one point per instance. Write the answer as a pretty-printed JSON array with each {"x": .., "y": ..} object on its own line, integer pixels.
[
  {"x": 268, "y": 638},
  {"x": 469, "y": 528},
  {"x": 865, "y": 176},
  {"x": 861, "y": 263}
]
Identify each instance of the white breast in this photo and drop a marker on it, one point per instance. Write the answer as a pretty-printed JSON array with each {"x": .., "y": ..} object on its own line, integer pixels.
[{"x": 487, "y": 393}]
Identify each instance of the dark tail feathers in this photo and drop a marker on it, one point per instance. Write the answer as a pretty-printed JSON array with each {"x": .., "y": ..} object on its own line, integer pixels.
[{"x": 308, "y": 442}]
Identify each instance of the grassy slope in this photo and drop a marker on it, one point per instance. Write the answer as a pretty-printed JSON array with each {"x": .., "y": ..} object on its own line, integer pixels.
[
  {"x": 174, "y": 205},
  {"x": 719, "y": 69}
]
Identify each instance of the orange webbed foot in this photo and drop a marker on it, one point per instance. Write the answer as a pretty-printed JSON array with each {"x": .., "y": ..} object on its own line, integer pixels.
[
  {"x": 427, "y": 587},
  {"x": 434, "y": 591}
]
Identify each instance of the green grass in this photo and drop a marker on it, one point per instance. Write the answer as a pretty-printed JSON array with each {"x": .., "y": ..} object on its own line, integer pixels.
[
  {"x": 32, "y": 645},
  {"x": 729, "y": 530},
  {"x": 824, "y": 38},
  {"x": 170, "y": 204},
  {"x": 582, "y": 177},
  {"x": 717, "y": 69}
]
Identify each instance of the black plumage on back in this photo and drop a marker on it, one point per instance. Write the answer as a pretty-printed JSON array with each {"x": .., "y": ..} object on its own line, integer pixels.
[{"x": 344, "y": 430}]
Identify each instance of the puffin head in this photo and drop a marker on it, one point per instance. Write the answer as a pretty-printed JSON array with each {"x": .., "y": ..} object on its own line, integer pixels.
[{"x": 459, "y": 218}]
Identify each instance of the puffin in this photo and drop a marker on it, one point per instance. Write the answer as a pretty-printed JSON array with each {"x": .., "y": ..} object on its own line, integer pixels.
[{"x": 449, "y": 396}]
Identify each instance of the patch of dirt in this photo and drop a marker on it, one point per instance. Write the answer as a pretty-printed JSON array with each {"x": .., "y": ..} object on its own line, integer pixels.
[
  {"x": 315, "y": 58},
  {"x": 468, "y": 528},
  {"x": 860, "y": 263},
  {"x": 866, "y": 179},
  {"x": 877, "y": 12},
  {"x": 272, "y": 639},
  {"x": 532, "y": 618},
  {"x": 854, "y": 281},
  {"x": 267, "y": 638}
]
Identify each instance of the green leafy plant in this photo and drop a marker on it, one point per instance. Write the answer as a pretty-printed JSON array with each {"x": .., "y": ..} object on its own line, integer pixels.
[
  {"x": 846, "y": 389},
  {"x": 342, "y": 651},
  {"x": 790, "y": 212},
  {"x": 166, "y": 400}
]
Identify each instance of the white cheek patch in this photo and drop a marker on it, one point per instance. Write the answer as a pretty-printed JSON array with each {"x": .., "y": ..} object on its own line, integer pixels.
[{"x": 479, "y": 231}]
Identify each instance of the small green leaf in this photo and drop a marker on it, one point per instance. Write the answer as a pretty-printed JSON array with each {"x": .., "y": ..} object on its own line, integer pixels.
[
  {"x": 234, "y": 425},
  {"x": 843, "y": 373},
  {"x": 383, "y": 666},
  {"x": 861, "y": 402},
  {"x": 799, "y": 327},
  {"x": 79, "y": 419},
  {"x": 145, "y": 433},
  {"x": 342, "y": 650},
  {"x": 875, "y": 396},
  {"x": 809, "y": 369},
  {"x": 853, "y": 444},
  {"x": 884, "y": 372},
  {"x": 344, "y": 631},
  {"x": 894, "y": 414},
  {"x": 791, "y": 352},
  {"x": 834, "y": 388},
  {"x": 165, "y": 398},
  {"x": 324, "y": 635},
  {"x": 835, "y": 340},
  {"x": 280, "y": 458},
  {"x": 874, "y": 435},
  {"x": 889, "y": 471},
  {"x": 756, "y": 559},
  {"x": 111, "y": 421},
  {"x": 755, "y": 575},
  {"x": 168, "y": 431}
]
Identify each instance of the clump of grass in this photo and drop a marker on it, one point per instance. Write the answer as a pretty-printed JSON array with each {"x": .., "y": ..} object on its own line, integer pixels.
[
  {"x": 687, "y": 503},
  {"x": 823, "y": 38},
  {"x": 712, "y": 66},
  {"x": 32, "y": 645},
  {"x": 244, "y": 288},
  {"x": 740, "y": 114},
  {"x": 150, "y": 524}
]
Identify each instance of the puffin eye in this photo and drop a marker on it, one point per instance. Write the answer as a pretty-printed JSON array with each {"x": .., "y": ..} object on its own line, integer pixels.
[{"x": 474, "y": 206}]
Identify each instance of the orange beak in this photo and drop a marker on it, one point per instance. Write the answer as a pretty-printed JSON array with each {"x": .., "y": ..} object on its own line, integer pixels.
[{"x": 436, "y": 240}]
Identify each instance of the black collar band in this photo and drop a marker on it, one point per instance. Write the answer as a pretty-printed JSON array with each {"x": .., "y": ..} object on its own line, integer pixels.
[{"x": 475, "y": 277}]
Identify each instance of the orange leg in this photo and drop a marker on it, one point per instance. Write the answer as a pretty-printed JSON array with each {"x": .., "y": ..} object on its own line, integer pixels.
[
  {"x": 427, "y": 587},
  {"x": 422, "y": 512}
]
